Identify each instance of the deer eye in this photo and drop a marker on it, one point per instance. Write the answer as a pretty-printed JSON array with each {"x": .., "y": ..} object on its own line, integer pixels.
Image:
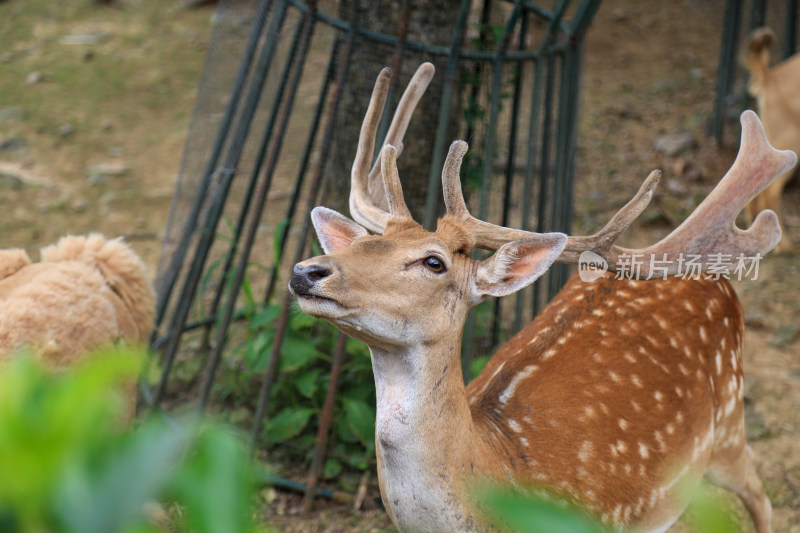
[{"x": 434, "y": 264}]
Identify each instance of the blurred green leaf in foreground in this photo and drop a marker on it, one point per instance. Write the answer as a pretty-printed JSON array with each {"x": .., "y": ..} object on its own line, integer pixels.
[
  {"x": 69, "y": 462},
  {"x": 539, "y": 511}
]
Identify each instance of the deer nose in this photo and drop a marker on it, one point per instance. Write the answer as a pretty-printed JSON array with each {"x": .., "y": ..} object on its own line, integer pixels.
[{"x": 304, "y": 277}]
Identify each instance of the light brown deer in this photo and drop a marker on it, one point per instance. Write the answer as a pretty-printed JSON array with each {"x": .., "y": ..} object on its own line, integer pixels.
[
  {"x": 777, "y": 94},
  {"x": 619, "y": 396}
]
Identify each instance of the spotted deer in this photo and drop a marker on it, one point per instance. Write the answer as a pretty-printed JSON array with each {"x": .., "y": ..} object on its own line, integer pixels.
[{"x": 619, "y": 396}]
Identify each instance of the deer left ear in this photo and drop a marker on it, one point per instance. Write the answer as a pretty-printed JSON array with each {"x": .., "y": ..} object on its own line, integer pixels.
[
  {"x": 516, "y": 265},
  {"x": 334, "y": 230}
]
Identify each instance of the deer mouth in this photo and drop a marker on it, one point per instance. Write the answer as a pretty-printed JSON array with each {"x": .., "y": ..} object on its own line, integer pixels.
[
  {"x": 316, "y": 298},
  {"x": 320, "y": 306}
]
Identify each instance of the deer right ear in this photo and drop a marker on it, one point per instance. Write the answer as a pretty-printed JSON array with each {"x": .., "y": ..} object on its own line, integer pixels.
[
  {"x": 516, "y": 265},
  {"x": 334, "y": 230}
]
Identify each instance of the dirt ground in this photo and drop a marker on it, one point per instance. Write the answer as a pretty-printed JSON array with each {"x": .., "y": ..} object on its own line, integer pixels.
[{"x": 90, "y": 159}]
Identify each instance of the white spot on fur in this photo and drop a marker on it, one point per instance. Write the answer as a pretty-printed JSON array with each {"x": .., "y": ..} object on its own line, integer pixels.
[
  {"x": 586, "y": 451},
  {"x": 644, "y": 450},
  {"x": 512, "y": 387},
  {"x": 658, "y": 395}
]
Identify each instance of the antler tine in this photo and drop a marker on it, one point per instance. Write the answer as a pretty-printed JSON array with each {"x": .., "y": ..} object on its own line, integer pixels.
[
  {"x": 368, "y": 193},
  {"x": 487, "y": 236},
  {"x": 391, "y": 182},
  {"x": 491, "y": 237},
  {"x": 451, "y": 182},
  {"x": 397, "y": 129},
  {"x": 361, "y": 208},
  {"x": 711, "y": 229},
  {"x": 602, "y": 242}
]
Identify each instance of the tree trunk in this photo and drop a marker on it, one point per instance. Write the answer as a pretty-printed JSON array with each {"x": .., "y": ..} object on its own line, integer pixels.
[{"x": 431, "y": 22}]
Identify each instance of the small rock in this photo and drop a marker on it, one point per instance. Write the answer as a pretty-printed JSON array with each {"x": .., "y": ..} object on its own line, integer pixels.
[
  {"x": 107, "y": 170},
  {"x": 697, "y": 73},
  {"x": 65, "y": 130},
  {"x": 116, "y": 151},
  {"x": 34, "y": 77},
  {"x": 81, "y": 204},
  {"x": 8, "y": 57},
  {"x": 674, "y": 144},
  {"x": 106, "y": 124},
  {"x": 83, "y": 38},
  {"x": 14, "y": 144},
  {"x": 676, "y": 187}
]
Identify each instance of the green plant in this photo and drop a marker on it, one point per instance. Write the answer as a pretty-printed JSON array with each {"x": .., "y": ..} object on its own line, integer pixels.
[
  {"x": 536, "y": 512},
  {"x": 70, "y": 462},
  {"x": 298, "y": 394},
  {"x": 539, "y": 511}
]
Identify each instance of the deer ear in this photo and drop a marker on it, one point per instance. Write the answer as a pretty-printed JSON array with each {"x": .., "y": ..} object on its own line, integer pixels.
[
  {"x": 516, "y": 265},
  {"x": 334, "y": 230}
]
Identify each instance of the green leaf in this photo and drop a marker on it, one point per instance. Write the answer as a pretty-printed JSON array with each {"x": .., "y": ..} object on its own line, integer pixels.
[
  {"x": 96, "y": 493},
  {"x": 307, "y": 382},
  {"x": 266, "y": 317},
  {"x": 287, "y": 424},
  {"x": 296, "y": 352},
  {"x": 302, "y": 321},
  {"x": 360, "y": 419},
  {"x": 332, "y": 468},
  {"x": 527, "y": 514},
  {"x": 477, "y": 365},
  {"x": 357, "y": 349},
  {"x": 216, "y": 484},
  {"x": 257, "y": 352}
]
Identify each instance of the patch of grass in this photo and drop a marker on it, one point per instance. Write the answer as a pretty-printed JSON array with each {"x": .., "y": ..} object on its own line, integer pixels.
[{"x": 126, "y": 95}]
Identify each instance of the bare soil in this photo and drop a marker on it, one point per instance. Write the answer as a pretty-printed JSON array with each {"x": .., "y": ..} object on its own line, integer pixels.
[{"x": 125, "y": 100}]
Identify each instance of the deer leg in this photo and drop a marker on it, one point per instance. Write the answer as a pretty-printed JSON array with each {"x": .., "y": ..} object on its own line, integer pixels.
[{"x": 738, "y": 474}]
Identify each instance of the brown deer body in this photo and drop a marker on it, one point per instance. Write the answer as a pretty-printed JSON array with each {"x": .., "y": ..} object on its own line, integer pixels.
[
  {"x": 777, "y": 94},
  {"x": 621, "y": 394}
]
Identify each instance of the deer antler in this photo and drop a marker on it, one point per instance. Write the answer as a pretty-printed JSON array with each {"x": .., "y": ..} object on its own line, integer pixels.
[
  {"x": 368, "y": 195},
  {"x": 710, "y": 229}
]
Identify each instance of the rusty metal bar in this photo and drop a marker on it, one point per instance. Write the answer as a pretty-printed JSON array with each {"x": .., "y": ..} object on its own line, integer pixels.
[{"x": 321, "y": 443}]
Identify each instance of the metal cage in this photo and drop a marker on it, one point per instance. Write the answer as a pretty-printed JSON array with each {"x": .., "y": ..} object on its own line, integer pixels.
[{"x": 271, "y": 116}]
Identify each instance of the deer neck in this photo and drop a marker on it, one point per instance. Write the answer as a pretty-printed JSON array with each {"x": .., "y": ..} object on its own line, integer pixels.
[{"x": 423, "y": 433}]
